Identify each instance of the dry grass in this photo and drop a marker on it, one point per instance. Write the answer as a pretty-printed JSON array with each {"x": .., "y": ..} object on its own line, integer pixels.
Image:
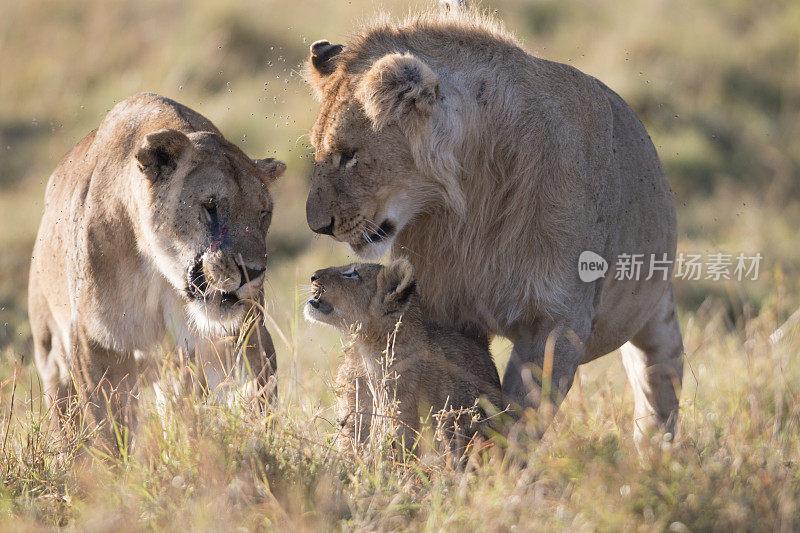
[
  {"x": 206, "y": 466},
  {"x": 717, "y": 85}
]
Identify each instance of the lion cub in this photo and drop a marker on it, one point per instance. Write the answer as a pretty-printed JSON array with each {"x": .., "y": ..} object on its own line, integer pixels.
[{"x": 433, "y": 367}]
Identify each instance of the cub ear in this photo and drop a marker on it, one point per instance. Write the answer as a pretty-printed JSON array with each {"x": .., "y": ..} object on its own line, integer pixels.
[
  {"x": 322, "y": 62},
  {"x": 159, "y": 153},
  {"x": 273, "y": 168},
  {"x": 396, "y": 284},
  {"x": 399, "y": 88}
]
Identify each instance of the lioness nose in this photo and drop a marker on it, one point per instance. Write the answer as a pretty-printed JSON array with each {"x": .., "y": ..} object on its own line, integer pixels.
[{"x": 326, "y": 230}]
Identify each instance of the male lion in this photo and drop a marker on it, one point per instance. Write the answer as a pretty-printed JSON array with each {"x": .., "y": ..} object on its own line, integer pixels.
[
  {"x": 492, "y": 170},
  {"x": 152, "y": 220},
  {"x": 429, "y": 366}
]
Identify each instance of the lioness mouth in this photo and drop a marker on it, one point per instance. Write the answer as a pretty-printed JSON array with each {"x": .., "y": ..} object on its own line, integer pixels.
[{"x": 198, "y": 286}]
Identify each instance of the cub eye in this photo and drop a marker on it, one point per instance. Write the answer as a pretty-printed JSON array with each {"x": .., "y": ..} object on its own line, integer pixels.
[{"x": 351, "y": 274}]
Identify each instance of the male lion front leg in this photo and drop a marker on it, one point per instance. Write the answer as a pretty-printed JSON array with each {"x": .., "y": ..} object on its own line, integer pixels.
[
  {"x": 653, "y": 360},
  {"x": 543, "y": 365}
]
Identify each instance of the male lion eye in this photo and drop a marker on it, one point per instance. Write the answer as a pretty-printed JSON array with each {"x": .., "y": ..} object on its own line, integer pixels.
[{"x": 351, "y": 274}]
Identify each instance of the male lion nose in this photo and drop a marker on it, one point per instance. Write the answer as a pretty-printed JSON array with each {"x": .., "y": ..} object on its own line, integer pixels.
[{"x": 327, "y": 230}]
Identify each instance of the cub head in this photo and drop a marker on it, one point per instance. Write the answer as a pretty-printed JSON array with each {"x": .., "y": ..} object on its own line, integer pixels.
[
  {"x": 204, "y": 210},
  {"x": 365, "y": 294},
  {"x": 371, "y": 137}
]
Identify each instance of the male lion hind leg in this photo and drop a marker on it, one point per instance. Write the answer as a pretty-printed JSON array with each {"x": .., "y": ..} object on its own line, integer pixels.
[
  {"x": 653, "y": 360},
  {"x": 542, "y": 365}
]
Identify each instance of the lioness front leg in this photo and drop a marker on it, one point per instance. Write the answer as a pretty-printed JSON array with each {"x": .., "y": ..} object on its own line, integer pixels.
[
  {"x": 107, "y": 381},
  {"x": 653, "y": 360},
  {"x": 259, "y": 353}
]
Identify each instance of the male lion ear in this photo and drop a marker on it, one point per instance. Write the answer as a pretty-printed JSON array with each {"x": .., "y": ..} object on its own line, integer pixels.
[
  {"x": 396, "y": 284},
  {"x": 159, "y": 153},
  {"x": 273, "y": 168},
  {"x": 399, "y": 88},
  {"x": 322, "y": 62}
]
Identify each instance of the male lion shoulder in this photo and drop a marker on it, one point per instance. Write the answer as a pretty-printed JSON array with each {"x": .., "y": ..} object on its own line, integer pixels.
[
  {"x": 152, "y": 218},
  {"x": 492, "y": 170}
]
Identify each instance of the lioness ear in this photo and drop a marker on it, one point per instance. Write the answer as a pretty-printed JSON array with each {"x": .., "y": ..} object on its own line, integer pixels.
[
  {"x": 159, "y": 153},
  {"x": 399, "y": 88},
  {"x": 272, "y": 167},
  {"x": 322, "y": 62},
  {"x": 396, "y": 284}
]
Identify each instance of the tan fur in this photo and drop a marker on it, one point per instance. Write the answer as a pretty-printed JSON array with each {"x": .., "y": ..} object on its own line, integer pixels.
[
  {"x": 133, "y": 214},
  {"x": 491, "y": 170},
  {"x": 436, "y": 369}
]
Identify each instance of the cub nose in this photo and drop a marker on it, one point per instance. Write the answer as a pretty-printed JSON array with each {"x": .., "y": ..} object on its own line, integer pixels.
[
  {"x": 315, "y": 276},
  {"x": 325, "y": 230}
]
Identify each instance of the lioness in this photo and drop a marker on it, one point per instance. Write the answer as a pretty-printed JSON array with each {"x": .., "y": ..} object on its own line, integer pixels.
[
  {"x": 433, "y": 367},
  {"x": 492, "y": 170},
  {"x": 152, "y": 220}
]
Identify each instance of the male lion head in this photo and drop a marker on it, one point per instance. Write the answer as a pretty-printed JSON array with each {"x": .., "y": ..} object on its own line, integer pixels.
[
  {"x": 204, "y": 217},
  {"x": 373, "y": 164}
]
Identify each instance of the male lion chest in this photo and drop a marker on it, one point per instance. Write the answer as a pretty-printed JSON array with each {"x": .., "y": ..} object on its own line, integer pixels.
[{"x": 452, "y": 298}]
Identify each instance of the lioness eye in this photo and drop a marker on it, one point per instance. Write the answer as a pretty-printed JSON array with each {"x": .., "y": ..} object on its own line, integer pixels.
[
  {"x": 348, "y": 158},
  {"x": 264, "y": 216},
  {"x": 210, "y": 209},
  {"x": 351, "y": 274}
]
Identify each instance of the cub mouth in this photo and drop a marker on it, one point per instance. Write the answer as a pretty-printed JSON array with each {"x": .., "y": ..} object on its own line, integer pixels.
[
  {"x": 317, "y": 303},
  {"x": 321, "y": 306}
]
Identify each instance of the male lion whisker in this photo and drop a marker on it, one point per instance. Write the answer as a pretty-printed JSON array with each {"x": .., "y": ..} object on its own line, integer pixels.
[
  {"x": 366, "y": 236},
  {"x": 375, "y": 227}
]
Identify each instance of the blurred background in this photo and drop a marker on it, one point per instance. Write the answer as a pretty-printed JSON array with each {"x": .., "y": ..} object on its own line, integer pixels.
[{"x": 716, "y": 82}]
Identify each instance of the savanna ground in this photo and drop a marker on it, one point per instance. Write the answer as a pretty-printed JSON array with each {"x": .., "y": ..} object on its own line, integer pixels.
[{"x": 716, "y": 82}]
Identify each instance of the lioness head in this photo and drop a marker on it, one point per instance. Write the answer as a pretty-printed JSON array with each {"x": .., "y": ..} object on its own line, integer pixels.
[
  {"x": 204, "y": 217},
  {"x": 362, "y": 294},
  {"x": 371, "y": 138}
]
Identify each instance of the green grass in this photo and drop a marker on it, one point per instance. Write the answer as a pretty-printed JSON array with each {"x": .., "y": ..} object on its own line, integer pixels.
[{"x": 716, "y": 83}]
